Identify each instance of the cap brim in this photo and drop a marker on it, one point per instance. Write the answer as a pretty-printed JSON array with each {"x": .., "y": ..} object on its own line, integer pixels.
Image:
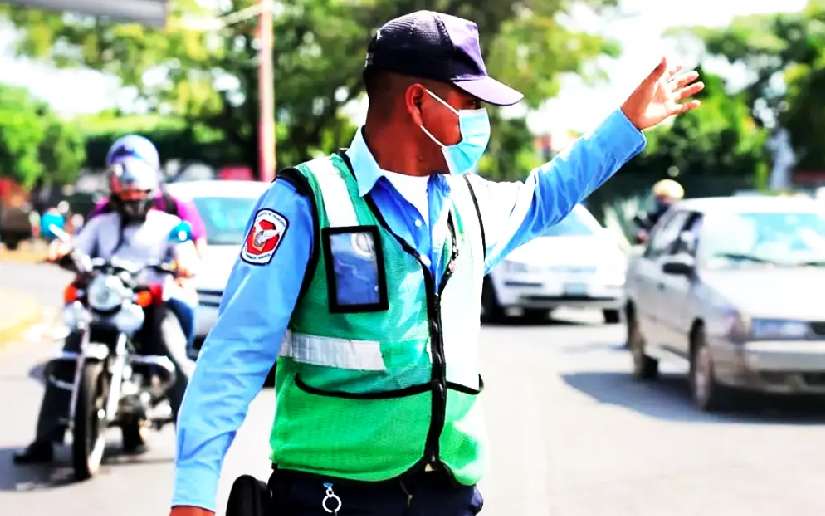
[{"x": 490, "y": 90}]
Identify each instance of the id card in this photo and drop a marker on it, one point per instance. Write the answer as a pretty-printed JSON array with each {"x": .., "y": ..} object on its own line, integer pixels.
[{"x": 355, "y": 269}]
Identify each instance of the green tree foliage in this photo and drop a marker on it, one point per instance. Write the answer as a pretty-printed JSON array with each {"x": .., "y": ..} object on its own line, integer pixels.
[
  {"x": 713, "y": 150},
  {"x": 720, "y": 139},
  {"x": 786, "y": 55},
  {"x": 208, "y": 77},
  {"x": 35, "y": 143}
]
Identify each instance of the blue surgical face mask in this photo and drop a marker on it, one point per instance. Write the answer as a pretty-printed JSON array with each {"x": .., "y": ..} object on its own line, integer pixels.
[{"x": 474, "y": 124}]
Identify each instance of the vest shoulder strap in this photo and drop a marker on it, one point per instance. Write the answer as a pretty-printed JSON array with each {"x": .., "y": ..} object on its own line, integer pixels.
[
  {"x": 478, "y": 214},
  {"x": 334, "y": 192},
  {"x": 296, "y": 178}
]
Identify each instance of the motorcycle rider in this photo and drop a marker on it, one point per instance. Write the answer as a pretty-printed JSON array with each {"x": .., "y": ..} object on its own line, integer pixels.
[
  {"x": 138, "y": 233},
  {"x": 134, "y": 145}
]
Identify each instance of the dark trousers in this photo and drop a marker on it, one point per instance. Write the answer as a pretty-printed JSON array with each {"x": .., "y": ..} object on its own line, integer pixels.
[
  {"x": 152, "y": 340},
  {"x": 421, "y": 494}
]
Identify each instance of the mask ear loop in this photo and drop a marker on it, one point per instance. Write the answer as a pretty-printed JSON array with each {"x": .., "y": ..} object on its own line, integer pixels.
[
  {"x": 451, "y": 108},
  {"x": 444, "y": 102}
]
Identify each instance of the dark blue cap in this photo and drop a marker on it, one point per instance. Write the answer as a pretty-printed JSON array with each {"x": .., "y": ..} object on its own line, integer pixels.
[{"x": 440, "y": 47}]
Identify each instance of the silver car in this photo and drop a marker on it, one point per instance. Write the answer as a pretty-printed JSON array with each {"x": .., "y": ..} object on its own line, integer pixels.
[{"x": 736, "y": 287}]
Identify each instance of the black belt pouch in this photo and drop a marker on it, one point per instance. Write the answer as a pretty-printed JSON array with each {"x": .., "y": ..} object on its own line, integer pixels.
[{"x": 249, "y": 497}]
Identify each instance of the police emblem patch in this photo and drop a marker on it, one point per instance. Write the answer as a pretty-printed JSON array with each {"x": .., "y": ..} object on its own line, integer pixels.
[{"x": 264, "y": 237}]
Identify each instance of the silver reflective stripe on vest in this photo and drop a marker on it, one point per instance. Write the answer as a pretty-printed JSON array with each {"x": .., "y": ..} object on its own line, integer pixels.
[
  {"x": 363, "y": 355},
  {"x": 337, "y": 202}
]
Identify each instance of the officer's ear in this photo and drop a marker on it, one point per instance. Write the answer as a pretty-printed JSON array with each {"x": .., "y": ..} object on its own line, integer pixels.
[{"x": 413, "y": 99}]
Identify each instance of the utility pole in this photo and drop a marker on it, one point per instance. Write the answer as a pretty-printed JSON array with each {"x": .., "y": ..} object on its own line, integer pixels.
[{"x": 266, "y": 95}]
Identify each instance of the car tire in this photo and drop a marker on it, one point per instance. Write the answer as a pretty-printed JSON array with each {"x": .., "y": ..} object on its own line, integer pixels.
[
  {"x": 707, "y": 393},
  {"x": 491, "y": 310},
  {"x": 644, "y": 366},
  {"x": 612, "y": 316}
]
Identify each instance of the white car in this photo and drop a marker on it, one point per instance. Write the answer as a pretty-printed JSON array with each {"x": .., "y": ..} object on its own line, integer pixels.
[
  {"x": 576, "y": 263},
  {"x": 225, "y": 207}
]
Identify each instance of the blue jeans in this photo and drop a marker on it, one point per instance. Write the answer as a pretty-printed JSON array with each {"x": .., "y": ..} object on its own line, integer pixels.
[{"x": 186, "y": 315}]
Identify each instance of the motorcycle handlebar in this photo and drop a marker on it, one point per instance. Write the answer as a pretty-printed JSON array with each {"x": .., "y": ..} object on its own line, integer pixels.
[{"x": 81, "y": 263}]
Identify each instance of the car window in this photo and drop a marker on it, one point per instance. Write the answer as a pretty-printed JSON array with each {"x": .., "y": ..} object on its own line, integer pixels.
[
  {"x": 573, "y": 224},
  {"x": 225, "y": 218},
  {"x": 767, "y": 238},
  {"x": 666, "y": 233},
  {"x": 688, "y": 240}
]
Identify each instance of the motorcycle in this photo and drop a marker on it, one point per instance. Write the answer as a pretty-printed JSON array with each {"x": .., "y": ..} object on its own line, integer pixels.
[{"x": 112, "y": 385}]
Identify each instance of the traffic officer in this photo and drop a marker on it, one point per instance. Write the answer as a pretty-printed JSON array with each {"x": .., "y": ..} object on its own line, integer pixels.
[{"x": 361, "y": 274}]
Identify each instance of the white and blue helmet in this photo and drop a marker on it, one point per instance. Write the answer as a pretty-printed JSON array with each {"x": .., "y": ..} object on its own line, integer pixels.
[{"x": 133, "y": 146}]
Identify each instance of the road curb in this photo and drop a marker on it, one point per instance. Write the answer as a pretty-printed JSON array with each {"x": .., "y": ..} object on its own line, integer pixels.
[{"x": 23, "y": 312}]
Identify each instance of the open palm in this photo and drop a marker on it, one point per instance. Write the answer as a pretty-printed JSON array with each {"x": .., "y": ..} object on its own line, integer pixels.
[{"x": 661, "y": 95}]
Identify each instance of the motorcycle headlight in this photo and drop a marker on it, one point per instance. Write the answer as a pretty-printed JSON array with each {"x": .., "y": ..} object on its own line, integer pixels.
[
  {"x": 778, "y": 329},
  {"x": 104, "y": 293}
]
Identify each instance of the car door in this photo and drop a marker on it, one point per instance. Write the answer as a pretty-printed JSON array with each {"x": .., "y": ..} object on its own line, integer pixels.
[
  {"x": 648, "y": 272},
  {"x": 675, "y": 307}
]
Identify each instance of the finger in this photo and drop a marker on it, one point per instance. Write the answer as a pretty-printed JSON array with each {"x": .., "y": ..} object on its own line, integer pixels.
[
  {"x": 656, "y": 73},
  {"x": 689, "y": 91},
  {"x": 687, "y": 106},
  {"x": 673, "y": 71},
  {"x": 684, "y": 79}
]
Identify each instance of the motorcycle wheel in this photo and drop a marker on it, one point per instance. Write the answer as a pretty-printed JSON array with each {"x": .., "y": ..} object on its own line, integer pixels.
[{"x": 89, "y": 440}]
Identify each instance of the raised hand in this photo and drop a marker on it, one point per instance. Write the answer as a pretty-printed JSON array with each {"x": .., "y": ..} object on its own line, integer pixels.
[{"x": 662, "y": 94}]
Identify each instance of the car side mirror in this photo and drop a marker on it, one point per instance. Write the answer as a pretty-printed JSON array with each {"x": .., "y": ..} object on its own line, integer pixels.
[{"x": 679, "y": 267}]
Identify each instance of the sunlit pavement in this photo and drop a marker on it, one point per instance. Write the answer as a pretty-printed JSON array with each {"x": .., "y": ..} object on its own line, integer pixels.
[{"x": 572, "y": 434}]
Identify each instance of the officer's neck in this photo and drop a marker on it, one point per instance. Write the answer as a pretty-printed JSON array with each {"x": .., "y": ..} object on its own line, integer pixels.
[{"x": 394, "y": 150}]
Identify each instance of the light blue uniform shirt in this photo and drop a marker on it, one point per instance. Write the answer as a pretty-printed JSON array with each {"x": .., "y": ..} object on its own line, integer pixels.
[{"x": 259, "y": 299}]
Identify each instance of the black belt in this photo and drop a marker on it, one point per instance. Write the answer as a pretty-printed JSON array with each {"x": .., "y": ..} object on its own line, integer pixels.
[{"x": 415, "y": 475}]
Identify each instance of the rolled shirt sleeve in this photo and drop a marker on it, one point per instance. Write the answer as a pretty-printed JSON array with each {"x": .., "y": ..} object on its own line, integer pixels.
[
  {"x": 242, "y": 347},
  {"x": 515, "y": 212}
]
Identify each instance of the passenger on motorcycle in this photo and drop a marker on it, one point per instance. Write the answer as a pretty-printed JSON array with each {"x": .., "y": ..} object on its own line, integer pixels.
[{"x": 139, "y": 234}]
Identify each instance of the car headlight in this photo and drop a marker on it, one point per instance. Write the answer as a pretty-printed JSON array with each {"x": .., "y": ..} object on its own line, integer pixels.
[
  {"x": 778, "y": 329},
  {"x": 517, "y": 267}
]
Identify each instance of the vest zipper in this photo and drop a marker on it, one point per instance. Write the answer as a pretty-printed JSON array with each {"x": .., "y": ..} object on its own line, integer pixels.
[
  {"x": 438, "y": 378},
  {"x": 439, "y": 416}
]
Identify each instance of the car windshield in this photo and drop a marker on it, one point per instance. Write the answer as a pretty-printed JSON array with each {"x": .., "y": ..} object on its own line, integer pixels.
[
  {"x": 572, "y": 225},
  {"x": 225, "y": 218},
  {"x": 784, "y": 239}
]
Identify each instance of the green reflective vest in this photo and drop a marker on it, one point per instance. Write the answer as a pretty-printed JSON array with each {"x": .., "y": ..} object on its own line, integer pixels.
[{"x": 379, "y": 373}]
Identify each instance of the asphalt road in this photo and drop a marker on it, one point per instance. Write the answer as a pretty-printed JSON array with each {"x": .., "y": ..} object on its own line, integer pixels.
[{"x": 572, "y": 434}]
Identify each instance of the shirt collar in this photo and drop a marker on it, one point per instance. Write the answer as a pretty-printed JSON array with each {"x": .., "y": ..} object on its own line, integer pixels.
[{"x": 367, "y": 171}]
